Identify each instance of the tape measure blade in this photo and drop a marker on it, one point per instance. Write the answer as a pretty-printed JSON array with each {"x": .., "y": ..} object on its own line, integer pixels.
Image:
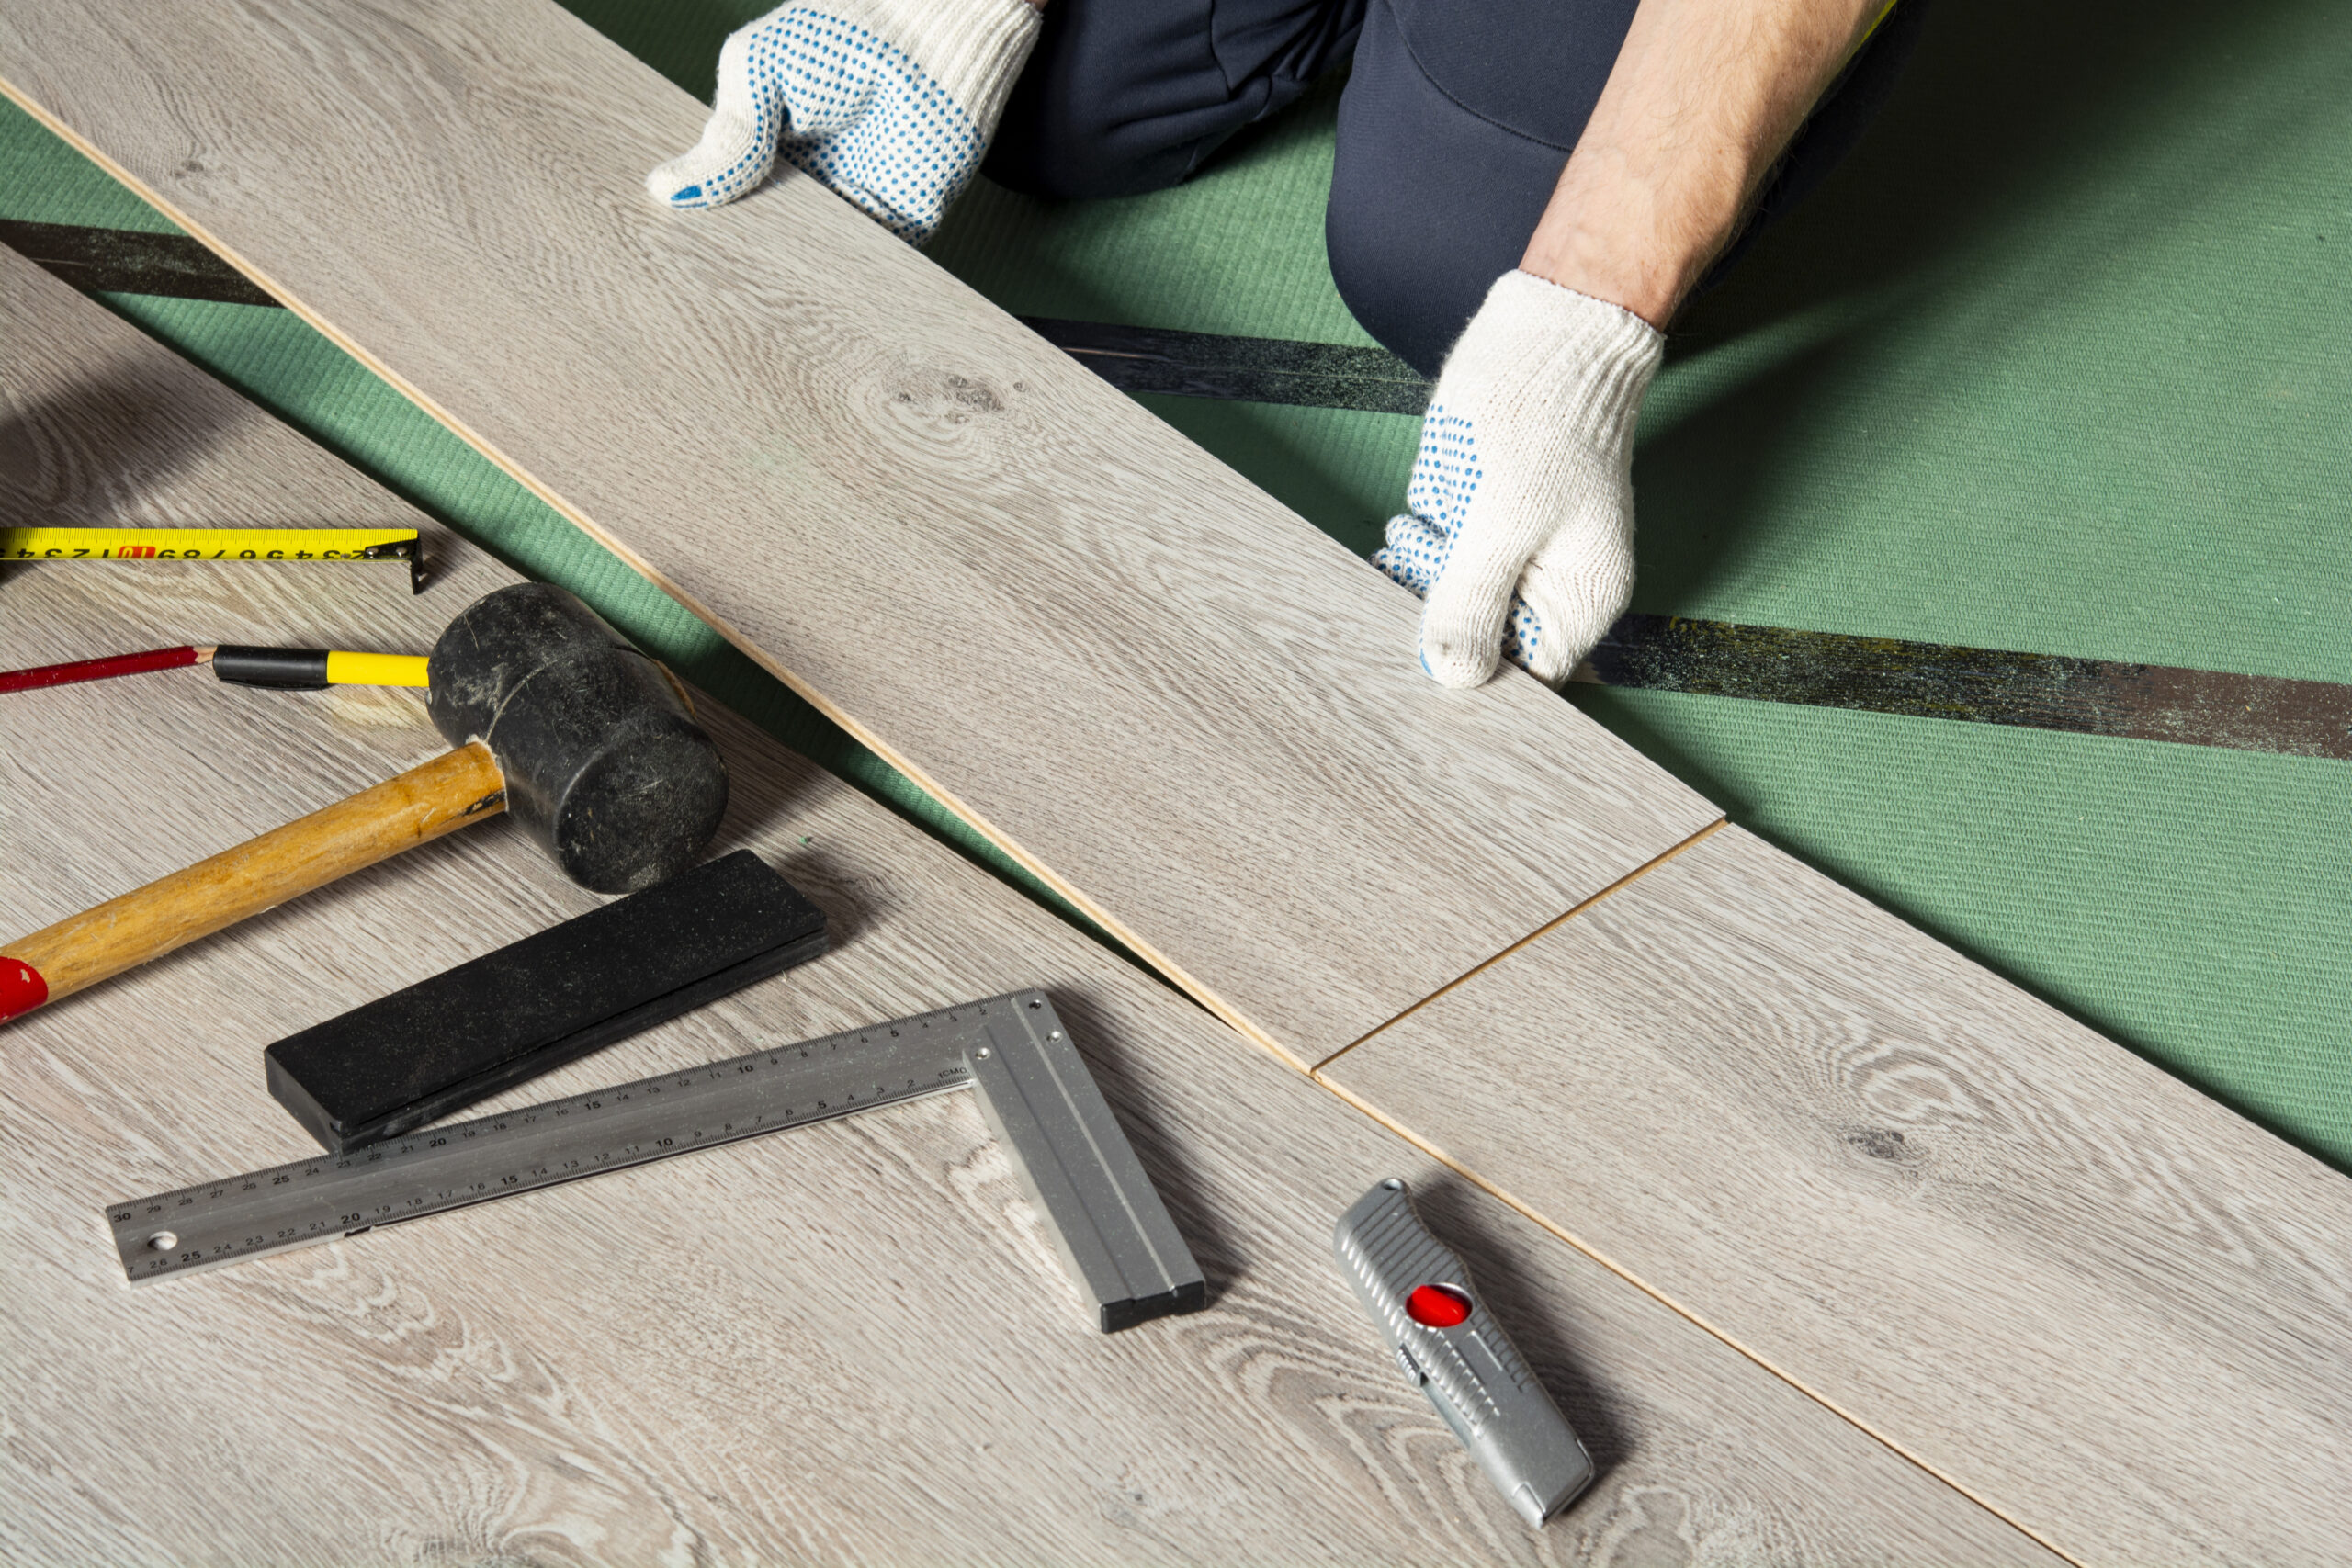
[{"x": 209, "y": 544}]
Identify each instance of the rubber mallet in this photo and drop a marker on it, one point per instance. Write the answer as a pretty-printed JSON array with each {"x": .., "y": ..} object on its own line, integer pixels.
[{"x": 554, "y": 717}]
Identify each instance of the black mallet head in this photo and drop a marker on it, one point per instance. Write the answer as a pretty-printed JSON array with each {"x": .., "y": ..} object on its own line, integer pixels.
[{"x": 603, "y": 761}]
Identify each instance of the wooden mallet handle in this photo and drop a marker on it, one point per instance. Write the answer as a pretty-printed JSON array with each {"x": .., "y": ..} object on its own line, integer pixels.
[{"x": 446, "y": 792}]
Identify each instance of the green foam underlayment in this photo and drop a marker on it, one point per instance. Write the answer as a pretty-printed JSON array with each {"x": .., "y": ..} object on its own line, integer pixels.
[{"x": 2057, "y": 362}]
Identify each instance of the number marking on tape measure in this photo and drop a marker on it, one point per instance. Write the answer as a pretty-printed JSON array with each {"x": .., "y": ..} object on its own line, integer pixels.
[
  {"x": 205, "y": 544},
  {"x": 216, "y": 544}
]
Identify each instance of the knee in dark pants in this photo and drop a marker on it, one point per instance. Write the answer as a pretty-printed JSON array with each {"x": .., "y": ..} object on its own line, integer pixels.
[
  {"x": 1378, "y": 292},
  {"x": 1413, "y": 253},
  {"x": 1433, "y": 199},
  {"x": 1454, "y": 128},
  {"x": 1413, "y": 296}
]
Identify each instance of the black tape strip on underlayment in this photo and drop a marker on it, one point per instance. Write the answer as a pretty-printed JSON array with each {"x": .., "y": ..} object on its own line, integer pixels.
[{"x": 1658, "y": 653}]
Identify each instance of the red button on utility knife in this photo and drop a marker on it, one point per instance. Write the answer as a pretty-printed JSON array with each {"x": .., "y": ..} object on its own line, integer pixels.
[{"x": 1437, "y": 1306}]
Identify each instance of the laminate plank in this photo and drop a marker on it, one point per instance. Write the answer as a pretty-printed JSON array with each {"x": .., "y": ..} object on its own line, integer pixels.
[
  {"x": 1174, "y": 699},
  {"x": 2111, "y": 1309},
  {"x": 845, "y": 1344}
]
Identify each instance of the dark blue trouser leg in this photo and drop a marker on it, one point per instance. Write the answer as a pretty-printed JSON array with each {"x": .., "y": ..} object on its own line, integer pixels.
[{"x": 1453, "y": 132}]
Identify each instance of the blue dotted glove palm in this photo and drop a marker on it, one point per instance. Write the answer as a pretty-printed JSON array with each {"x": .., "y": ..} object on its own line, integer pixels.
[
  {"x": 890, "y": 102},
  {"x": 1518, "y": 527}
]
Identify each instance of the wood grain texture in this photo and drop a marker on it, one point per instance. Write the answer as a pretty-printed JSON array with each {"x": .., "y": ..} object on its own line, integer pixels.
[
  {"x": 1174, "y": 699},
  {"x": 2110, "y": 1308},
  {"x": 847, "y": 1344}
]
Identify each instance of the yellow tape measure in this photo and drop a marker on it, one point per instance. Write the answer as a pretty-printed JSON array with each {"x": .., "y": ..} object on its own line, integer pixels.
[{"x": 215, "y": 544}]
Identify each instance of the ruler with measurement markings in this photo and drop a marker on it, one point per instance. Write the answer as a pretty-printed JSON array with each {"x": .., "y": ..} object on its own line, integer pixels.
[{"x": 1109, "y": 1226}]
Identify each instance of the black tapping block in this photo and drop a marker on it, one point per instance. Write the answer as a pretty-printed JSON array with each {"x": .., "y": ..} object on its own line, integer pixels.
[{"x": 406, "y": 1059}]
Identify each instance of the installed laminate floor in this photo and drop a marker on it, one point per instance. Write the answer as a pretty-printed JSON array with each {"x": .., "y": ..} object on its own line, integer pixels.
[
  {"x": 1178, "y": 701},
  {"x": 1309, "y": 836},
  {"x": 849, "y": 1343},
  {"x": 2114, "y": 1311}
]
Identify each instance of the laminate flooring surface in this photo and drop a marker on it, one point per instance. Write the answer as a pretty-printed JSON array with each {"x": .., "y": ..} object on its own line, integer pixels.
[
  {"x": 2112, "y": 1310},
  {"x": 849, "y": 1343},
  {"x": 1187, "y": 708}
]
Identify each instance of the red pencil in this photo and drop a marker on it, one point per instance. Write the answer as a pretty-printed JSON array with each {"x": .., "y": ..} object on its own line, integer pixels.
[
  {"x": 100, "y": 669},
  {"x": 296, "y": 669}
]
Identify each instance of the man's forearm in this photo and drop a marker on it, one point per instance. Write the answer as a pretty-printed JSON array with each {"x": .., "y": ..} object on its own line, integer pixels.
[{"x": 1705, "y": 95}]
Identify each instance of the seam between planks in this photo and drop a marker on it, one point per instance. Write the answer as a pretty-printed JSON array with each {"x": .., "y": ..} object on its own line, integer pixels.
[
  {"x": 1698, "y": 1320},
  {"x": 1536, "y": 935}
]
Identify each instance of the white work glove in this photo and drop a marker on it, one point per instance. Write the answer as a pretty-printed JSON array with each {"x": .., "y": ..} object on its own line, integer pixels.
[
  {"x": 890, "y": 103},
  {"x": 1519, "y": 527}
]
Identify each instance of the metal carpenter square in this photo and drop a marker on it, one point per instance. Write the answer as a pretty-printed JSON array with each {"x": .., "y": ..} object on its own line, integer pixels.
[
  {"x": 1108, "y": 1223},
  {"x": 1113, "y": 1231}
]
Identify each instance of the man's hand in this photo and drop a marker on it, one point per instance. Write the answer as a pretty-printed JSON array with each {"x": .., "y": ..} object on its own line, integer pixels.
[
  {"x": 1524, "y": 484},
  {"x": 1521, "y": 524},
  {"x": 890, "y": 103}
]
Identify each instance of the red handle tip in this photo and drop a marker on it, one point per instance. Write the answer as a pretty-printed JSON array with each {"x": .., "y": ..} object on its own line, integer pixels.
[{"x": 21, "y": 988}]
